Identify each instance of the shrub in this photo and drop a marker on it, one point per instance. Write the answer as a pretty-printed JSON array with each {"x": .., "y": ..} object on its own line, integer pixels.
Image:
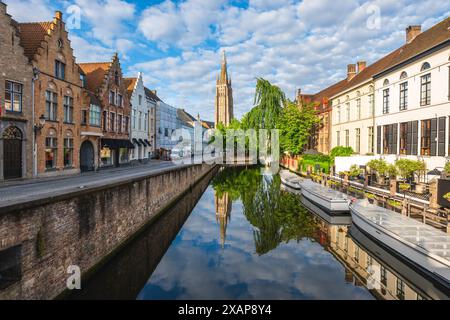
[
  {"x": 407, "y": 167},
  {"x": 354, "y": 171},
  {"x": 404, "y": 186},
  {"x": 394, "y": 203},
  {"x": 340, "y": 152},
  {"x": 392, "y": 171},
  {"x": 370, "y": 195},
  {"x": 447, "y": 196},
  {"x": 380, "y": 166},
  {"x": 447, "y": 168}
]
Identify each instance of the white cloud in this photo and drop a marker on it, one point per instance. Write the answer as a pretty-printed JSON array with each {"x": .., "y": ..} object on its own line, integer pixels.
[
  {"x": 86, "y": 51},
  {"x": 20, "y": 10}
]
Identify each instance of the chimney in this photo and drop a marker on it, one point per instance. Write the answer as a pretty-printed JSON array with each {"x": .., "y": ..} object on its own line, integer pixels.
[
  {"x": 361, "y": 66},
  {"x": 351, "y": 71},
  {"x": 412, "y": 32},
  {"x": 58, "y": 15}
]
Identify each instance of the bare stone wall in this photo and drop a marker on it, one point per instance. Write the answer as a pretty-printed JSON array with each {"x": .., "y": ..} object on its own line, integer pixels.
[{"x": 38, "y": 244}]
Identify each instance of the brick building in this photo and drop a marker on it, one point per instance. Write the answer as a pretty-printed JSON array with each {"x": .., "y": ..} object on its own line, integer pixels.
[
  {"x": 57, "y": 95},
  {"x": 105, "y": 80},
  {"x": 16, "y": 117}
]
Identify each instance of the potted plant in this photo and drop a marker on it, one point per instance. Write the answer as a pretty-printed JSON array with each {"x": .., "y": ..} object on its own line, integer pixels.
[
  {"x": 354, "y": 172},
  {"x": 447, "y": 169},
  {"x": 380, "y": 166}
]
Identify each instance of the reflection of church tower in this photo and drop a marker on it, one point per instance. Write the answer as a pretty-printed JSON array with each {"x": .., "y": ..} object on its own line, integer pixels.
[
  {"x": 224, "y": 95},
  {"x": 223, "y": 211}
]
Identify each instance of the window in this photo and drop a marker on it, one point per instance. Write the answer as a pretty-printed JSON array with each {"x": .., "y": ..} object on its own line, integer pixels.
[
  {"x": 385, "y": 82},
  {"x": 13, "y": 96},
  {"x": 126, "y": 121},
  {"x": 371, "y": 105},
  {"x": 119, "y": 100},
  {"x": 425, "y": 148},
  {"x": 112, "y": 121},
  {"x": 68, "y": 152},
  {"x": 385, "y": 101},
  {"x": 146, "y": 121},
  {"x": 425, "y": 66},
  {"x": 425, "y": 90},
  {"x": 94, "y": 115},
  {"x": 133, "y": 117},
  {"x": 119, "y": 123},
  {"x": 347, "y": 111},
  {"x": 83, "y": 80},
  {"x": 140, "y": 99},
  {"x": 386, "y": 138},
  {"x": 358, "y": 140},
  {"x": 358, "y": 109},
  {"x": 356, "y": 254},
  {"x": 105, "y": 120},
  {"x": 347, "y": 138},
  {"x": 166, "y": 132},
  {"x": 116, "y": 78},
  {"x": 400, "y": 289},
  {"x": 112, "y": 97},
  {"x": 371, "y": 140},
  {"x": 403, "y": 96},
  {"x": 338, "y": 138},
  {"x": 60, "y": 70},
  {"x": 339, "y": 114},
  {"x": 403, "y": 75},
  {"x": 403, "y": 138},
  {"x": 68, "y": 109},
  {"x": 84, "y": 116},
  {"x": 140, "y": 120},
  {"x": 51, "y": 105},
  {"x": 51, "y": 151}
]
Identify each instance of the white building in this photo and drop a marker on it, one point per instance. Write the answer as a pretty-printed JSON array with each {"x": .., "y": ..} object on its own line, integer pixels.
[
  {"x": 140, "y": 111},
  {"x": 413, "y": 98},
  {"x": 152, "y": 100}
]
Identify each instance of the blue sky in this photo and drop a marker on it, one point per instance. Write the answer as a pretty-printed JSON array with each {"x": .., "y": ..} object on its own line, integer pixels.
[{"x": 177, "y": 44}]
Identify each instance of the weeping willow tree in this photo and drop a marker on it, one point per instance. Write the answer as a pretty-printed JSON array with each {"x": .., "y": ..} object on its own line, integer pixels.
[{"x": 269, "y": 102}]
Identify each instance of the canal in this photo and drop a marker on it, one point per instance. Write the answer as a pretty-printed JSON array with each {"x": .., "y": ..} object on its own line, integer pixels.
[{"x": 239, "y": 234}]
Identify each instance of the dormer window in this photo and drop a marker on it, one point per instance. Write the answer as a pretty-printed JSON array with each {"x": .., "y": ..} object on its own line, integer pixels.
[{"x": 425, "y": 66}]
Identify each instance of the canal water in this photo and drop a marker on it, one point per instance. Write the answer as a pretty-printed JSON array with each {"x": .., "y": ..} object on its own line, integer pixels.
[{"x": 240, "y": 235}]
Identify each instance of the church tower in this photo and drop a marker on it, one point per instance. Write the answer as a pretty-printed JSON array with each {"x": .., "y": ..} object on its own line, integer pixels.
[{"x": 224, "y": 95}]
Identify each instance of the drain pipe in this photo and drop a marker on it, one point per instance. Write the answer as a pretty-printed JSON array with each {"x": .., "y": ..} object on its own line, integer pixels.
[{"x": 33, "y": 80}]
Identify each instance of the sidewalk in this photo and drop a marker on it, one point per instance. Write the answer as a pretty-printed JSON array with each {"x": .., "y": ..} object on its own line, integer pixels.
[{"x": 39, "y": 189}]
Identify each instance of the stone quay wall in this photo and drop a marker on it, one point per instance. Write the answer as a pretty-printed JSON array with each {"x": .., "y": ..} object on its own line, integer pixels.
[{"x": 39, "y": 243}]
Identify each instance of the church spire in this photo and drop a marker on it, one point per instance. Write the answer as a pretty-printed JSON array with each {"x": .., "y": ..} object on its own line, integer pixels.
[
  {"x": 224, "y": 94},
  {"x": 224, "y": 69}
]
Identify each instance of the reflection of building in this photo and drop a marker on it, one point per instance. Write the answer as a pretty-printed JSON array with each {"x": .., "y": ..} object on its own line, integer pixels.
[
  {"x": 223, "y": 211},
  {"x": 224, "y": 95},
  {"x": 387, "y": 284}
]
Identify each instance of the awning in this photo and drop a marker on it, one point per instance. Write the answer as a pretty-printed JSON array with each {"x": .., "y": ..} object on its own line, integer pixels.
[
  {"x": 142, "y": 142},
  {"x": 117, "y": 143},
  {"x": 147, "y": 142},
  {"x": 135, "y": 141}
]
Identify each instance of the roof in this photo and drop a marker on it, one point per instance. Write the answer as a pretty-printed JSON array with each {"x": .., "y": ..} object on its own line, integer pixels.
[
  {"x": 185, "y": 116},
  {"x": 151, "y": 95},
  {"x": 130, "y": 83},
  {"x": 208, "y": 124},
  {"x": 426, "y": 40},
  {"x": 31, "y": 36},
  {"x": 95, "y": 73}
]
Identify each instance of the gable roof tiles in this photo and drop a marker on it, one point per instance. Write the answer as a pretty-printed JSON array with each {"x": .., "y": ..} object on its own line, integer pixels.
[{"x": 31, "y": 36}]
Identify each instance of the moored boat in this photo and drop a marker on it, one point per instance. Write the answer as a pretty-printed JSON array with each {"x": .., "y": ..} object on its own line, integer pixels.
[
  {"x": 291, "y": 179},
  {"x": 341, "y": 219},
  {"x": 328, "y": 199},
  {"x": 424, "y": 246}
]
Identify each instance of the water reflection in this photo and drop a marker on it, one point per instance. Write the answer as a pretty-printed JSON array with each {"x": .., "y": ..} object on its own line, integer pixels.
[{"x": 248, "y": 238}]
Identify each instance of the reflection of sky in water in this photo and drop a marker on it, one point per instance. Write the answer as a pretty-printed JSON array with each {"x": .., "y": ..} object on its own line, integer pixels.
[{"x": 197, "y": 267}]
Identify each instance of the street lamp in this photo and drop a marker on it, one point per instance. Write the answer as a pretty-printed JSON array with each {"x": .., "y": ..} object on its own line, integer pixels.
[{"x": 38, "y": 127}]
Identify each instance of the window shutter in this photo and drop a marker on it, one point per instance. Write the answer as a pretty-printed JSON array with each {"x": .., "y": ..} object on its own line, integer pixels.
[
  {"x": 409, "y": 138},
  {"x": 394, "y": 138},
  {"x": 415, "y": 136},
  {"x": 379, "y": 140},
  {"x": 441, "y": 137},
  {"x": 433, "y": 136}
]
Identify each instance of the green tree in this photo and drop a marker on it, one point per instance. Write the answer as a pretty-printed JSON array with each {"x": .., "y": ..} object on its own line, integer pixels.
[
  {"x": 340, "y": 152},
  {"x": 295, "y": 125}
]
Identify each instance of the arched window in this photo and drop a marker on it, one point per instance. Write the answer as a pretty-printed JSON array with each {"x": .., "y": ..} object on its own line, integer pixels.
[
  {"x": 386, "y": 82},
  {"x": 68, "y": 149},
  {"x": 358, "y": 93},
  {"x": 371, "y": 88},
  {"x": 347, "y": 98},
  {"x": 425, "y": 66},
  {"x": 12, "y": 133},
  {"x": 403, "y": 75}
]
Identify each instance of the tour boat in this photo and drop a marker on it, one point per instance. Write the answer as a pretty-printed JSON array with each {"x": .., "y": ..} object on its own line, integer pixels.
[
  {"x": 342, "y": 219},
  {"x": 424, "y": 246},
  {"x": 422, "y": 282},
  {"x": 328, "y": 199},
  {"x": 291, "y": 179}
]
